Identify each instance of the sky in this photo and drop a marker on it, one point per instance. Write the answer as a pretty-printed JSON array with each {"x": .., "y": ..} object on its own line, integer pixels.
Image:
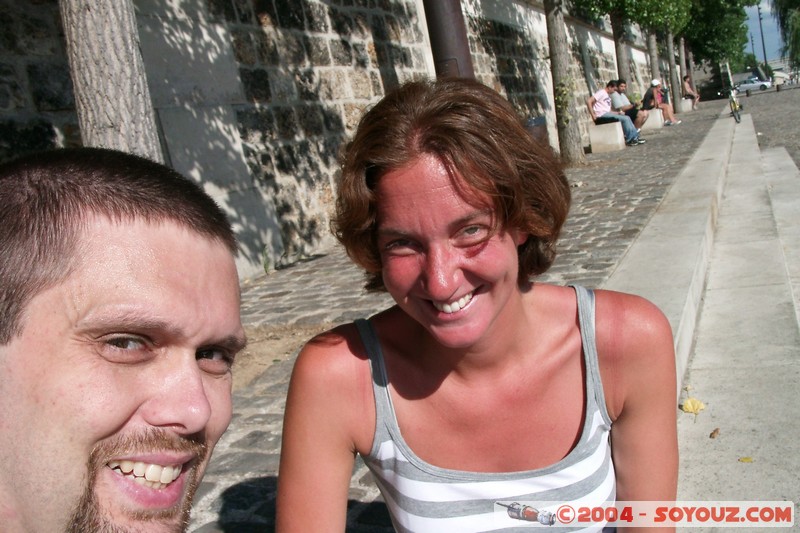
[{"x": 772, "y": 35}]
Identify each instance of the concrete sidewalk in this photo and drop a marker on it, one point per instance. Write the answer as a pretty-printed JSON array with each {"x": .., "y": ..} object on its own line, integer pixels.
[
  {"x": 745, "y": 365},
  {"x": 651, "y": 220}
]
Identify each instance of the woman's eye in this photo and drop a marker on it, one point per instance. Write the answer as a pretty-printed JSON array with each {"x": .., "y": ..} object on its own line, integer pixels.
[
  {"x": 474, "y": 234},
  {"x": 399, "y": 246},
  {"x": 472, "y": 230},
  {"x": 398, "y": 243}
]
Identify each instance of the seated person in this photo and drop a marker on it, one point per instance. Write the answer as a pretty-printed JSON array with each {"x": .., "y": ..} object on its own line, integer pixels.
[
  {"x": 599, "y": 105},
  {"x": 450, "y": 207},
  {"x": 119, "y": 321},
  {"x": 689, "y": 92},
  {"x": 653, "y": 99},
  {"x": 620, "y": 102}
]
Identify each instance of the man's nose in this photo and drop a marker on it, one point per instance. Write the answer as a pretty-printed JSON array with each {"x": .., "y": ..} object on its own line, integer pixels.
[{"x": 179, "y": 400}]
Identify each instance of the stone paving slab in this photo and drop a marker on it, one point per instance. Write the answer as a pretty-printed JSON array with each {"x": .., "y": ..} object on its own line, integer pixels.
[{"x": 614, "y": 197}]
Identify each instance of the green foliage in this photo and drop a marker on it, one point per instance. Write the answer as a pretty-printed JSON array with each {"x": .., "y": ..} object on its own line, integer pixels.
[
  {"x": 717, "y": 30},
  {"x": 783, "y": 11},
  {"x": 747, "y": 62},
  {"x": 562, "y": 95},
  {"x": 652, "y": 14},
  {"x": 788, "y": 14},
  {"x": 792, "y": 39}
]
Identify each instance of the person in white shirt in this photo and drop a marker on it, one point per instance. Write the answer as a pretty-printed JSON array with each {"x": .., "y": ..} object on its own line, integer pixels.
[{"x": 599, "y": 105}]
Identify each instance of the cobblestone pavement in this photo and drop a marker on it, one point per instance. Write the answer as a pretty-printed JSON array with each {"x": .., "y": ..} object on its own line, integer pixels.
[
  {"x": 775, "y": 117},
  {"x": 614, "y": 196}
]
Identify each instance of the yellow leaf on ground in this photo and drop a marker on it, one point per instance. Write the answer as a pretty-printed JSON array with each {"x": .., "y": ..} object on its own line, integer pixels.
[
  {"x": 692, "y": 406},
  {"x": 745, "y": 459}
]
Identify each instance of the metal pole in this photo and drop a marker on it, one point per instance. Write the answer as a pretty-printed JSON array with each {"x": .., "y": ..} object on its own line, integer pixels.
[
  {"x": 760, "y": 27},
  {"x": 448, "y": 35}
]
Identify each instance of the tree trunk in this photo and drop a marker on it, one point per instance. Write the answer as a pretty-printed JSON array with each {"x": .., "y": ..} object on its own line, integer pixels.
[
  {"x": 652, "y": 50},
  {"x": 690, "y": 65},
  {"x": 618, "y": 30},
  {"x": 674, "y": 87},
  {"x": 682, "y": 58},
  {"x": 111, "y": 95},
  {"x": 564, "y": 86}
]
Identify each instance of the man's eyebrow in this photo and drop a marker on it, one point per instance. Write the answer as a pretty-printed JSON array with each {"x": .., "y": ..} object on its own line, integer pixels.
[
  {"x": 135, "y": 322},
  {"x": 232, "y": 343},
  {"x": 126, "y": 320}
]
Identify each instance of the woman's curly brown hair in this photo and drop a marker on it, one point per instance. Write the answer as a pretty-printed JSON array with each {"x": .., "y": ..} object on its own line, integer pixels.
[{"x": 478, "y": 136}]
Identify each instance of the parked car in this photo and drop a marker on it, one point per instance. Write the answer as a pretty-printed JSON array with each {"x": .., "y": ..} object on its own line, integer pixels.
[{"x": 753, "y": 84}]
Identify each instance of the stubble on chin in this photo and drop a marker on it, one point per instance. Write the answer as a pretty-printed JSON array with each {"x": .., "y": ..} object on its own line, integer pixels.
[{"x": 89, "y": 516}]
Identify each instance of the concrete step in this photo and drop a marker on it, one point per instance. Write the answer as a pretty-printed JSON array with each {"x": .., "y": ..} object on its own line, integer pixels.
[
  {"x": 783, "y": 186},
  {"x": 667, "y": 264},
  {"x": 745, "y": 365}
]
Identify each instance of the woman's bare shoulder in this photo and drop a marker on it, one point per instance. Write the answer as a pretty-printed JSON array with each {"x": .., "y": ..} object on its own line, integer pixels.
[
  {"x": 331, "y": 359},
  {"x": 634, "y": 318},
  {"x": 634, "y": 345}
]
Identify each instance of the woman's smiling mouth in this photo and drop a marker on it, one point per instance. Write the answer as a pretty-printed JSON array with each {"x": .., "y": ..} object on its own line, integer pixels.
[{"x": 454, "y": 306}]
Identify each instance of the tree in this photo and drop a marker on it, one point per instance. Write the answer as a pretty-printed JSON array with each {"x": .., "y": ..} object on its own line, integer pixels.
[
  {"x": 650, "y": 15},
  {"x": 569, "y": 136},
  {"x": 652, "y": 51},
  {"x": 669, "y": 18},
  {"x": 717, "y": 30},
  {"x": 788, "y": 14},
  {"x": 111, "y": 95},
  {"x": 619, "y": 12},
  {"x": 792, "y": 39}
]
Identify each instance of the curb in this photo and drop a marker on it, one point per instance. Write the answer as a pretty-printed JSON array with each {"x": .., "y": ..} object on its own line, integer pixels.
[{"x": 668, "y": 262}]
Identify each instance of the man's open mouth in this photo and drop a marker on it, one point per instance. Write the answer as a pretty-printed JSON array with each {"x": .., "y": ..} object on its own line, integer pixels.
[{"x": 150, "y": 475}]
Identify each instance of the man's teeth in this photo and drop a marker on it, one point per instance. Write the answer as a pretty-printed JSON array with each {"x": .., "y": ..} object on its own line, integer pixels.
[
  {"x": 452, "y": 307},
  {"x": 147, "y": 474}
]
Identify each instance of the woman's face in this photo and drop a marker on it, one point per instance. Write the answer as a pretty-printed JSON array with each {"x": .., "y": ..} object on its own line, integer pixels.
[{"x": 444, "y": 263}]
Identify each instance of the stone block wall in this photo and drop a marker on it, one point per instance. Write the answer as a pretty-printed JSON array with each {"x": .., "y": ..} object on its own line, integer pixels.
[
  {"x": 37, "y": 110},
  {"x": 255, "y": 98}
]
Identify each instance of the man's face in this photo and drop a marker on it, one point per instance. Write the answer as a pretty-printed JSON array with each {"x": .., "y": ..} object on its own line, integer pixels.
[
  {"x": 621, "y": 87},
  {"x": 611, "y": 88},
  {"x": 119, "y": 385}
]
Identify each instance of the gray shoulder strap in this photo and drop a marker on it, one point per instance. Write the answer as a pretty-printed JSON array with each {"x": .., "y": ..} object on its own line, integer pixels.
[{"x": 586, "y": 320}]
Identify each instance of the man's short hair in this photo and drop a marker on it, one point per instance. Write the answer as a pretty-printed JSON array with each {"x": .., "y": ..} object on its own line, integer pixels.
[
  {"x": 621, "y": 82},
  {"x": 46, "y": 200},
  {"x": 612, "y": 83}
]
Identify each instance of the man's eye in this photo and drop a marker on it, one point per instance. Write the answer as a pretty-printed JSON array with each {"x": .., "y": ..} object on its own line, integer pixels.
[
  {"x": 127, "y": 343},
  {"x": 214, "y": 360}
]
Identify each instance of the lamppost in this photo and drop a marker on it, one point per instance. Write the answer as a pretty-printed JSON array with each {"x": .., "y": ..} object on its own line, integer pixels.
[{"x": 761, "y": 28}]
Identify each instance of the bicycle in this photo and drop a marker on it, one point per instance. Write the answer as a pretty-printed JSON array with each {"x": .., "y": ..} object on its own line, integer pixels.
[{"x": 736, "y": 107}]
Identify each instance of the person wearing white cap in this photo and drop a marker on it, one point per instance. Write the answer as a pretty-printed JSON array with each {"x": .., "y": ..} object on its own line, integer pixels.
[{"x": 653, "y": 99}]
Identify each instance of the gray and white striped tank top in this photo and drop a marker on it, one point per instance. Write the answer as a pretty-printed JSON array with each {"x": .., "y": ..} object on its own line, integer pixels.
[{"x": 422, "y": 497}]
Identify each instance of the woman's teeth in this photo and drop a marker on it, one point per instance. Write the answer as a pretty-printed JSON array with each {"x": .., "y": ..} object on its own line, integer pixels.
[
  {"x": 150, "y": 475},
  {"x": 452, "y": 307}
]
